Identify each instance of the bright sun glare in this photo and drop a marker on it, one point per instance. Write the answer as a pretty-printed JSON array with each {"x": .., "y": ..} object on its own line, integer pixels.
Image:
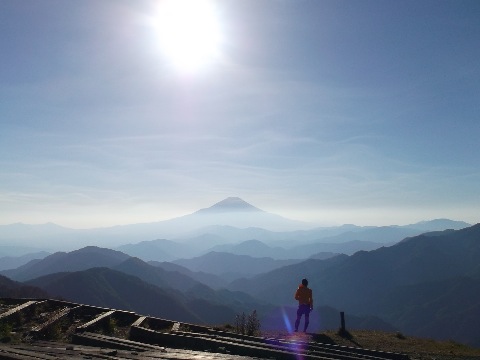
[{"x": 189, "y": 33}]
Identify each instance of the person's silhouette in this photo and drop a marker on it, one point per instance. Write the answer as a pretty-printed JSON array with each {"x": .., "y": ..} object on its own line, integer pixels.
[{"x": 305, "y": 304}]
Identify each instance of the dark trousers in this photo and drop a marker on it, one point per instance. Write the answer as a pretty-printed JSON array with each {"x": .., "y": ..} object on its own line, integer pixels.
[{"x": 303, "y": 309}]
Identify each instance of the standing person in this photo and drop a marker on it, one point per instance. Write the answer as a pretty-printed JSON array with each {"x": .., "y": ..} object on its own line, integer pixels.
[{"x": 305, "y": 304}]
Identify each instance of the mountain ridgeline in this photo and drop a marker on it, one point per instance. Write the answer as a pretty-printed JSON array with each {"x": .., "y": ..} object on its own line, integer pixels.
[
  {"x": 427, "y": 285},
  {"x": 421, "y": 279},
  {"x": 227, "y": 222}
]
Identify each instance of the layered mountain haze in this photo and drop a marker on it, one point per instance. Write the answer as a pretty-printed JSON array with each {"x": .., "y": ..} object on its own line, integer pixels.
[
  {"x": 211, "y": 280},
  {"x": 160, "y": 250},
  {"x": 254, "y": 248},
  {"x": 231, "y": 211},
  {"x": 109, "y": 288},
  {"x": 231, "y": 220},
  {"x": 318, "y": 250},
  {"x": 82, "y": 259},
  {"x": 434, "y": 277},
  {"x": 108, "y": 278},
  {"x": 233, "y": 258},
  {"x": 230, "y": 266},
  {"x": 13, "y": 262},
  {"x": 12, "y": 289}
]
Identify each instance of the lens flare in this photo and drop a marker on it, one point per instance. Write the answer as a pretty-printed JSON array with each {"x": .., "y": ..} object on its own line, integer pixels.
[{"x": 286, "y": 320}]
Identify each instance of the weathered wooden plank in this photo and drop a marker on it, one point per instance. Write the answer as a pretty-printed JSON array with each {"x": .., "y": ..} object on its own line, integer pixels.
[
  {"x": 139, "y": 321},
  {"x": 145, "y": 334},
  {"x": 17, "y": 308},
  {"x": 95, "y": 321},
  {"x": 185, "y": 340},
  {"x": 53, "y": 318},
  {"x": 93, "y": 339},
  {"x": 17, "y": 353}
]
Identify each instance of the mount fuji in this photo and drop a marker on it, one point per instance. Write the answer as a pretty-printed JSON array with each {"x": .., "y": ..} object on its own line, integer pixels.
[
  {"x": 230, "y": 212},
  {"x": 236, "y": 212}
]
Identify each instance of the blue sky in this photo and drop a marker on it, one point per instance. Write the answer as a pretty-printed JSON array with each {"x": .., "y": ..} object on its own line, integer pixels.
[{"x": 364, "y": 112}]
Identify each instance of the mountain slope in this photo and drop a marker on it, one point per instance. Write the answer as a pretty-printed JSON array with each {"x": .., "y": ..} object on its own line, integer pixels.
[
  {"x": 253, "y": 248},
  {"x": 453, "y": 305},
  {"x": 156, "y": 275},
  {"x": 58, "y": 267},
  {"x": 159, "y": 250},
  {"x": 82, "y": 259},
  {"x": 370, "y": 282},
  {"x": 113, "y": 289},
  {"x": 439, "y": 225},
  {"x": 13, "y": 262},
  {"x": 230, "y": 266},
  {"x": 211, "y": 280},
  {"x": 366, "y": 275},
  {"x": 238, "y": 213},
  {"x": 307, "y": 242},
  {"x": 230, "y": 204},
  {"x": 210, "y": 304},
  {"x": 14, "y": 289},
  {"x": 347, "y": 248}
]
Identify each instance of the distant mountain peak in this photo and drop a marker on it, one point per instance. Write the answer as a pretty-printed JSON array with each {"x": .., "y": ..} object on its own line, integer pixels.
[{"x": 230, "y": 204}]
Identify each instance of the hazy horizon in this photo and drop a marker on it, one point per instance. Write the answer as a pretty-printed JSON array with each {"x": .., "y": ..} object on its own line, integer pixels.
[
  {"x": 331, "y": 112},
  {"x": 351, "y": 218},
  {"x": 308, "y": 224}
]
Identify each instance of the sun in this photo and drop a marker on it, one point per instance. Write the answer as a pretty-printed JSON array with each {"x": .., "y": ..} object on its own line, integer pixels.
[{"x": 189, "y": 33}]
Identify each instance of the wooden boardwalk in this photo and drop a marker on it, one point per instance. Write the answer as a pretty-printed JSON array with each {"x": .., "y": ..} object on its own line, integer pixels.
[{"x": 53, "y": 329}]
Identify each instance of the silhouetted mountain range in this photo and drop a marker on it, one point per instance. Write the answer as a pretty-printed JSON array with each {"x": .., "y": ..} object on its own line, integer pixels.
[
  {"x": 82, "y": 259},
  {"x": 392, "y": 277},
  {"x": 228, "y": 221},
  {"x": 320, "y": 250},
  {"x": 160, "y": 250},
  {"x": 372, "y": 283},
  {"x": 128, "y": 283},
  {"x": 13, "y": 262},
  {"x": 110, "y": 288},
  {"x": 229, "y": 266},
  {"x": 426, "y": 285},
  {"x": 211, "y": 280},
  {"x": 14, "y": 289},
  {"x": 304, "y": 244},
  {"x": 335, "y": 234}
]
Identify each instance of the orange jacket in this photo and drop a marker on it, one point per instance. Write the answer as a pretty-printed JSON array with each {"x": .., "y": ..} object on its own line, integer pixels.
[{"x": 304, "y": 296}]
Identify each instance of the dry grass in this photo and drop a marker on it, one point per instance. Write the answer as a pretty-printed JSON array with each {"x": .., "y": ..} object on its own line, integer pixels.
[{"x": 416, "y": 348}]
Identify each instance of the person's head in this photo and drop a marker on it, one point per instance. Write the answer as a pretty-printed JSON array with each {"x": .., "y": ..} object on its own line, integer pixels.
[{"x": 304, "y": 282}]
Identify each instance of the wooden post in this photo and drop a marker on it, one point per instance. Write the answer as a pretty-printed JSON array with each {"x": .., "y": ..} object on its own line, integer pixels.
[{"x": 342, "y": 321}]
